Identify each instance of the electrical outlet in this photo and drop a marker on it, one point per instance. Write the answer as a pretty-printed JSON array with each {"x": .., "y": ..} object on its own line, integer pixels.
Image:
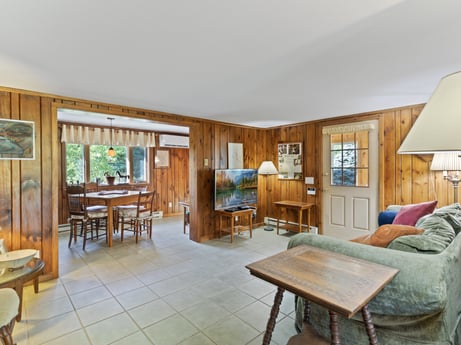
[{"x": 170, "y": 204}]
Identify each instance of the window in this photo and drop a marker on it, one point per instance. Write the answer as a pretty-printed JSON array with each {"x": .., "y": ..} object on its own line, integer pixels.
[
  {"x": 127, "y": 161},
  {"x": 139, "y": 163},
  {"x": 75, "y": 163},
  {"x": 101, "y": 163},
  {"x": 349, "y": 159}
]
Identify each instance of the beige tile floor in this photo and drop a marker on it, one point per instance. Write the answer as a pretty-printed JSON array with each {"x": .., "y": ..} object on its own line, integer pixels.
[{"x": 164, "y": 291}]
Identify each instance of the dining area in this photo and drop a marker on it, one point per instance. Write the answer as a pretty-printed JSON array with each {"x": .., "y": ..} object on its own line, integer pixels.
[{"x": 103, "y": 213}]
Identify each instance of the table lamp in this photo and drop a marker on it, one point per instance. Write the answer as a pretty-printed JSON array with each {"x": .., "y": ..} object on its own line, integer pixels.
[{"x": 267, "y": 168}]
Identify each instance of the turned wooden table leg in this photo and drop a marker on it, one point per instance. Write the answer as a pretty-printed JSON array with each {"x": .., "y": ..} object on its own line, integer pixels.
[
  {"x": 369, "y": 325},
  {"x": 274, "y": 312},
  {"x": 334, "y": 328},
  {"x": 307, "y": 311}
]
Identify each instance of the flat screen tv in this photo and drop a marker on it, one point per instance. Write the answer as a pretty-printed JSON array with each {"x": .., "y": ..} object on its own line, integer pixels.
[{"x": 234, "y": 188}]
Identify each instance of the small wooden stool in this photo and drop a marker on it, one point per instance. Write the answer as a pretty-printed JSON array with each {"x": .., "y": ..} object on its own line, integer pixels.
[{"x": 9, "y": 308}]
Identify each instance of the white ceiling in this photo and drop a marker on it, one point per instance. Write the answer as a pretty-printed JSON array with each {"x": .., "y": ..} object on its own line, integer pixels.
[{"x": 254, "y": 62}]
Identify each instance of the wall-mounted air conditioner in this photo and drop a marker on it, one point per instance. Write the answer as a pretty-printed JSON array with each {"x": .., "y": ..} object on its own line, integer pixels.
[{"x": 168, "y": 140}]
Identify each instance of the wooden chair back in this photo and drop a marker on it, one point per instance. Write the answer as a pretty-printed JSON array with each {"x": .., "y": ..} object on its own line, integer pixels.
[
  {"x": 76, "y": 199},
  {"x": 145, "y": 203}
]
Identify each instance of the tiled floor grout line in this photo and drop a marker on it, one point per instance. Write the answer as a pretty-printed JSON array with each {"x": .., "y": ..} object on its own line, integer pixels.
[{"x": 170, "y": 257}]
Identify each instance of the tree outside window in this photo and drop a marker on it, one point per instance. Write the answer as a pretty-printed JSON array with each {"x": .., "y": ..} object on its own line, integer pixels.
[{"x": 100, "y": 163}]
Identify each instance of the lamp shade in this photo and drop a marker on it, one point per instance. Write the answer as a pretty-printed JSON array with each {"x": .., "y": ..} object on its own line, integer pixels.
[
  {"x": 437, "y": 127},
  {"x": 448, "y": 161},
  {"x": 267, "y": 168}
]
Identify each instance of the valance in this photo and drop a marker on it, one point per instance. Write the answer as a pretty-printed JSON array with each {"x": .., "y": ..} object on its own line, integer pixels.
[
  {"x": 348, "y": 128},
  {"x": 101, "y": 136}
]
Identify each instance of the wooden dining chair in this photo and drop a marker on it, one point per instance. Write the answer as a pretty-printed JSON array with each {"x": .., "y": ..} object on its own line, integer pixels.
[
  {"x": 84, "y": 217},
  {"x": 139, "y": 218}
]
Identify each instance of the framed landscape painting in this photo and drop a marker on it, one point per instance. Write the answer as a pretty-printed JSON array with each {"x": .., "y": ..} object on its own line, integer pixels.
[{"x": 17, "y": 139}]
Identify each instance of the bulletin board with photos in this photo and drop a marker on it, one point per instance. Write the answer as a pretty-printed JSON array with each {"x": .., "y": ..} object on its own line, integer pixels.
[{"x": 290, "y": 161}]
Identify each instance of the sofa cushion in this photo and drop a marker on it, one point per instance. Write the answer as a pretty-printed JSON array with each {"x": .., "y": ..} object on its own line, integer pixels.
[
  {"x": 386, "y": 234},
  {"x": 438, "y": 234},
  {"x": 451, "y": 213},
  {"x": 409, "y": 214},
  {"x": 386, "y": 217}
]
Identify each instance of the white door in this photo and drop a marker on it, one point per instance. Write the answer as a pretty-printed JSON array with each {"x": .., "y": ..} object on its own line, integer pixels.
[{"x": 350, "y": 179}]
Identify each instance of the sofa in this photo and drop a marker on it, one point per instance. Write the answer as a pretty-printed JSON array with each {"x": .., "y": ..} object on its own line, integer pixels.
[{"x": 422, "y": 304}]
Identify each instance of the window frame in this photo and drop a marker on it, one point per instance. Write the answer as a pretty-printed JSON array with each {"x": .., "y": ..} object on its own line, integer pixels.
[{"x": 129, "y": 163}]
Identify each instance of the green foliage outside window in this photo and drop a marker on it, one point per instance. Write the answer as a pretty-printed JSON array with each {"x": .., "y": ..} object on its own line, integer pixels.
[
  {"x": 75, "y": 163},
  {"x": 100, "y": 163}
]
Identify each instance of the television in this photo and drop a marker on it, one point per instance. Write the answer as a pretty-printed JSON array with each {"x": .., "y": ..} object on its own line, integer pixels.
[{"x": 235, "y": 188}]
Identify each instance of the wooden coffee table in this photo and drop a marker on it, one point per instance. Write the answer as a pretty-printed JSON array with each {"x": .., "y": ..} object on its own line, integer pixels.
[
  {"x": 342, "y": 284},
  {"x": 17, "y": 278}
]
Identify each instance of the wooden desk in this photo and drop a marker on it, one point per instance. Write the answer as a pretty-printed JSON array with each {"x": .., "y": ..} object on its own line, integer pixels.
[
  {"x": 17, "y": 278},
  {"x": 186, "y": 207},
  {"x": 235, "y": 227},
  {"x": 111, "y": 199},
  {"x": 298, "y": 206},
  {"x": 342, "y": 284}
]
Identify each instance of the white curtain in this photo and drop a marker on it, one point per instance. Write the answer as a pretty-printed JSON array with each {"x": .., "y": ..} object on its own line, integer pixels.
[
  {"x": 101, "y": 136},
  {"x": 351, "y": 128}
]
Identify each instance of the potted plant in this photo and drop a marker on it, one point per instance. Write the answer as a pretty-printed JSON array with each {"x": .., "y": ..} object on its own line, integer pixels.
[{"x": 110, "y": 179}]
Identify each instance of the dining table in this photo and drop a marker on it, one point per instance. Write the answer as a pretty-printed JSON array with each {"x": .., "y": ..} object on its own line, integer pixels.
[{"x": 112, "y": 198}]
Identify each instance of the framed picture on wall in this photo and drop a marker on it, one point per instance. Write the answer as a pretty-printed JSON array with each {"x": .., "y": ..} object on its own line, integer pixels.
[
  {"x": 17, "y": 139},
  {"x": 290, "y": 159},
  {"x": 162, "y": 159},
  {"x": 235, "y": 155}
]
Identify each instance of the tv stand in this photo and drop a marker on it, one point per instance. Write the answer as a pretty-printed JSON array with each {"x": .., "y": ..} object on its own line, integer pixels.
[{"x": 233, "y": 221}]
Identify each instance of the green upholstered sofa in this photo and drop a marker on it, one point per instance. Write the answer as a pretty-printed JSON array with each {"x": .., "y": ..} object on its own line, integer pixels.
[{"x": 422, "y": 305}]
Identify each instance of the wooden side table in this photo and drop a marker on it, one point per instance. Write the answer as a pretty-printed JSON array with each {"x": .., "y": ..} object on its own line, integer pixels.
[
  {"x": 17, "y": 278},
  {"x": 299, "y": 207},
  {"x": 342, "y": 284},
  {"x": 232, "y": 226}
]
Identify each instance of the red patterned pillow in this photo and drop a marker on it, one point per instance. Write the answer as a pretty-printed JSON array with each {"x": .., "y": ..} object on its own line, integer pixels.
[
  {"x": 409, "y": 214},
  {"x": 386, "y": 233}
]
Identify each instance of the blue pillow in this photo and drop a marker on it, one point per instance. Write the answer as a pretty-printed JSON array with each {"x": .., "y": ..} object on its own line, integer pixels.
[{"x": 386, "y": 217}]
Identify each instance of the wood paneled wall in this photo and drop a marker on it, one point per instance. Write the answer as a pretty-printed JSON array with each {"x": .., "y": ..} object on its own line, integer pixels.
[
  {"x": 29, "y": 189},
  {"x": 171, "y": 185}
]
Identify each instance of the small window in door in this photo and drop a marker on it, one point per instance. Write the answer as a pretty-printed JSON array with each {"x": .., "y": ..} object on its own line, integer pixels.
[{"x": 349, "y": 159}]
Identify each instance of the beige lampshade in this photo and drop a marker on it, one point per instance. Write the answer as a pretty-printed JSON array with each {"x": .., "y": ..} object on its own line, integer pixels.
[
  {"x": 437, "y": 128},
  {"x": 448, "y": 161},
  {"x": 267, "y": 168}
]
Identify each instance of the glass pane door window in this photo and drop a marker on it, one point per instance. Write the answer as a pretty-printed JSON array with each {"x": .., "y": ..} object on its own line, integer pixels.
[{"x": 349, "y": 159}]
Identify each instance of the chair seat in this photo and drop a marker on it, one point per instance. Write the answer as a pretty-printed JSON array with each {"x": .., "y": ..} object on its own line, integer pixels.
[
  {"x": 129, "y": 211},
  {"x": 96, "y": 208},
  {"x": 97, "y": 214},
  {"x": 96, "y": 211},
  {"x": 77, "y": 217},
  {"x": 9, "y": 306}
]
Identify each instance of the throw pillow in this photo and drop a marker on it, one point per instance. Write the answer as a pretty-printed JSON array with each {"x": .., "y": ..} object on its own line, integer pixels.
[
  {"x": 386, "y": 217},
  {"x": 409, "y": 214},
  {"x": 385, "y": 234},
  {"x": 438, "y": 234}
]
